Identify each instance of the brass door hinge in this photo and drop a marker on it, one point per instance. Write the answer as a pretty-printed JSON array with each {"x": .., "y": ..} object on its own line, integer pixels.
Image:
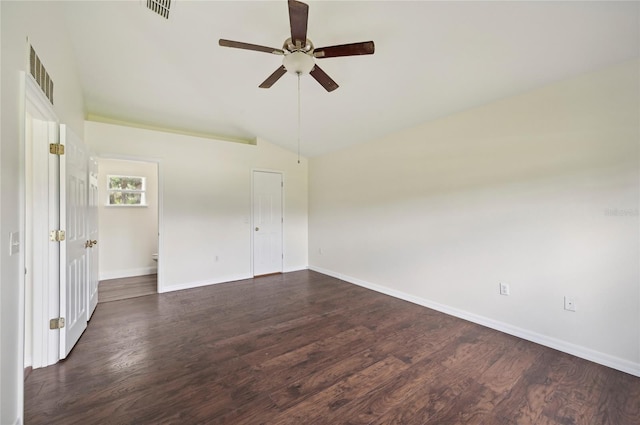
[
  {"x": 57, "y": 323},
  {"x": 56, "y": 149},
  {"x": 57, "y": 235}
]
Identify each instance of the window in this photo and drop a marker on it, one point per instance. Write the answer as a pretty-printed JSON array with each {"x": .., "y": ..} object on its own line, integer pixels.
[{"x": 126, "y": 191}]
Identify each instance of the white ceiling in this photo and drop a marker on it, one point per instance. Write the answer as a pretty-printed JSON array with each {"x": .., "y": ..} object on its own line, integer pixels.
[{"x": 432, "y": 59}]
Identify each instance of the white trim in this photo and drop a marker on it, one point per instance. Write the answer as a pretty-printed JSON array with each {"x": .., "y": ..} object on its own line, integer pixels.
[
  {"x": 198, "y": 284},
  {"x": 18, "y": 389},
  {"x": 117, "y": 274},
  {"x": 557, "y": 344},
  {"x": 160, "y": 266},
  {"x": 55, "y": 248},
  {"x": 62, "y": 217}
]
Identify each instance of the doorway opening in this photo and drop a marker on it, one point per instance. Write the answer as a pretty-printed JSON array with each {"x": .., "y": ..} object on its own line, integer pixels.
[{"x": 128, "y": 211}]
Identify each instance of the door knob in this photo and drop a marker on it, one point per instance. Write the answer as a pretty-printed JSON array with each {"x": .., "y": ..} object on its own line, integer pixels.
[
  {"x": 257, "y": 228},
  {"x": 90, "y": 243}
]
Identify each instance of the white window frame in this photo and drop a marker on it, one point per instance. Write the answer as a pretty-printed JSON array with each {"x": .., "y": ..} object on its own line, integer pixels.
[{"x": 142, "y": 192}]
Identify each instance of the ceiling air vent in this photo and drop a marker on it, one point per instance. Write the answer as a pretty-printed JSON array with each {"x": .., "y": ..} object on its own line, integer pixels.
[
  {"x": 161, "y": 7},
  {"x": 40, "y": 75}
]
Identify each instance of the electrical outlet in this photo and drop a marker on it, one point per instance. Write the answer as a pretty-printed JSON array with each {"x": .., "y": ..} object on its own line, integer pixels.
[
  {"x": 569, "y": 304},
  {"x": 504, "y": 289}
]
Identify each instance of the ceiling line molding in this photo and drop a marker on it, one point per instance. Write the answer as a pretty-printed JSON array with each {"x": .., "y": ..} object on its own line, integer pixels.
[{"x": 212, "y": 136}]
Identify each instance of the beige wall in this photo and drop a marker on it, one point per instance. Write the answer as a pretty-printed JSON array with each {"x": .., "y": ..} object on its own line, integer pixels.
[
  {"x": 539, "y": 191},
  {"x": 128, "y": 235},
  {"x": 205, "y": 188}
]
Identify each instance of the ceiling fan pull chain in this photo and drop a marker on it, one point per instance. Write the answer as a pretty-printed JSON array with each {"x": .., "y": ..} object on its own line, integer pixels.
[{"x": 298, "y": 118}]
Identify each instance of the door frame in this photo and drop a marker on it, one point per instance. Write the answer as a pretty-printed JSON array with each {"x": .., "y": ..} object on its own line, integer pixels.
[
  {"x": 252, "y": 226},
  {"x": 158, "y": 162},
  {"x": 45, "y": 295},
  {"x": 93, "y": 225}
]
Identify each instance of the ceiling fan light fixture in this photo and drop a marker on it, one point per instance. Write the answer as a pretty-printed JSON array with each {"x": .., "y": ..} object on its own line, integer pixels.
[
  {"x": 299, "y": 52},
  {"x": 299, "y": 63}
]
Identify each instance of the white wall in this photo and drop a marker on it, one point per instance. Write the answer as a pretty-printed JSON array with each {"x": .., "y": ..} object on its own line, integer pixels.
[
  {"x": 128, "y": 235},
  {"x": 40, "y": 22},
  {"x": 205, "y": 187},
  {"x": 539, "y": 191}
]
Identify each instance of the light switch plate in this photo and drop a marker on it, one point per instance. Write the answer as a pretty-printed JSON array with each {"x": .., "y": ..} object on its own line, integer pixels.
[{"x": 14, "y": 243}]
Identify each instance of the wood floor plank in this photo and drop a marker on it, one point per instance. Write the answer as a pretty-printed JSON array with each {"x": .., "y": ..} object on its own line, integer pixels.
[
  {"x": 321, "y": 379},
  {"x": 305, "y": 348},
  {"x": 475, "y": 352},
  {"x": 440, "y": 390},
  {"x": 260, "y": 411},
  {"x": 618, "y": 399},
  {"x": 271, "y": 345},
  {"x": 529, "y": 396},
  {"x": 576, "y": 394},
  {"x": 322, "y": 406},
  {"x": 393, "y": 393},
  {"x": 316, "y": 358},
  {"x": 472, "y": 406},
  {"x": 127, "y": 287},
  {"x": 502, "y": 375},
  {"x": 321, "y": 348}
]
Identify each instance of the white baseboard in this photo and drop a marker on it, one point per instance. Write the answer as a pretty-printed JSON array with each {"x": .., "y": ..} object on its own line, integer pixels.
[
  {"x": 28, "y": 361},
  {"x": 189, "y": 285},
  {"x": 117, "y": 274},
  {"x": 295, "y": 269},
  {"x": 557, "y": 344}
]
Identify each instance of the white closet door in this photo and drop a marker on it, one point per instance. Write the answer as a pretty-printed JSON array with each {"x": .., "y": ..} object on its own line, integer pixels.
[{"x": 267, "y": 223}]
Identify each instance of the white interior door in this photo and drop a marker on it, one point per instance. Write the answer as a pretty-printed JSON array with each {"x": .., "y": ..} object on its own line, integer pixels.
[
  {"x": 42, "y": 263},
  {"x": 74, "y": 257},
  {"x": 267, "y": 223},
  {"x": 42, "y": 280},
  {"x": 92, "y": 221}
]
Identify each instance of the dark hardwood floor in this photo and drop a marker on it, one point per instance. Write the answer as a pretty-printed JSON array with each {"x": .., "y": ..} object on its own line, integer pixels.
[
  {"x": 127, "y": 287},
  {"x": 304, "y": 348}
]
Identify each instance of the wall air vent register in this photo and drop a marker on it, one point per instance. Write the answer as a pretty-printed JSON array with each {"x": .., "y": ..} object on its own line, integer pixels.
[
  {"x": 40, "y": 74},
  {"x": 161, "y": 7}
]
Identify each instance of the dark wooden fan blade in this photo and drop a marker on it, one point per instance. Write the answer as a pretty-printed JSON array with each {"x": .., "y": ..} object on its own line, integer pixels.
[
  {"x": 298, "y": 18},
  {"x": 324, "y": 80},
  {"x": 273, "y": 77},
  {"x": 247, "y": 46},
  {"x": 353, "y": 49}
]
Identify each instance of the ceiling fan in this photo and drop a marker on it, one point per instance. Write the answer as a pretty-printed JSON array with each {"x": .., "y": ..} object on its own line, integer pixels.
[{"x": 299, "y": 52}]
